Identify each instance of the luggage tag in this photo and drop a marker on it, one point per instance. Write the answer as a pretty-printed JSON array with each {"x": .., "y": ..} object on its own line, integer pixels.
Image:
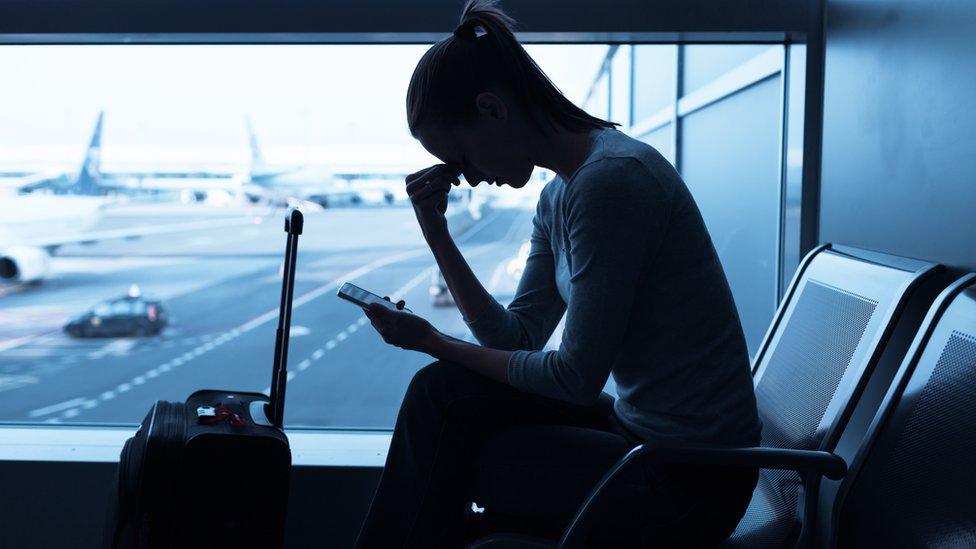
[{"x": 208, "y": 415}]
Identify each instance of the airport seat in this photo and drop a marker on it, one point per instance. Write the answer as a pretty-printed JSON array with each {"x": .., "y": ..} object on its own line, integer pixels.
[
  {"x": 912, "y": 482},
  {"x": 826, "y": 337}
]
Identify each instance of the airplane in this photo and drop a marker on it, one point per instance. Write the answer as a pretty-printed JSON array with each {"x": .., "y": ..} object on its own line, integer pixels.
[
  {"x": 46, "y": 213},
  {"x": 313, "y": 183}
]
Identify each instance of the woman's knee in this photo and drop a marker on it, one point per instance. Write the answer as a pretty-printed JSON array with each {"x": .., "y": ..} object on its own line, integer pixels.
[
  {"x": 445, "y": 381},
  {"x": 431, "y": 374}
]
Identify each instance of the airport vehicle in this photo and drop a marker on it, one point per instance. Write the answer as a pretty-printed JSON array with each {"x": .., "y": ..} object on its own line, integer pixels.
[
  {"x": 212, "y": 471},
  {"x": 124, "y": 316}
]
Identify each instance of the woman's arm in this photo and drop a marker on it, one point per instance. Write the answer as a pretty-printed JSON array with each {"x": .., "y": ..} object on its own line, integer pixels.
[
  {"x": 428, "y": 193},
  {"x": 537, "y": 307}
]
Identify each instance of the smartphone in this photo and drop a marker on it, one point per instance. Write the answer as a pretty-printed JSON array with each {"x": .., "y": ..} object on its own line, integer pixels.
[{"x": 359, "y": 296}]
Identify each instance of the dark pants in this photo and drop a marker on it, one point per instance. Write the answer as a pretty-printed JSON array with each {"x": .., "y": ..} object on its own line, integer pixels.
[{"x": 530, "y": 461}]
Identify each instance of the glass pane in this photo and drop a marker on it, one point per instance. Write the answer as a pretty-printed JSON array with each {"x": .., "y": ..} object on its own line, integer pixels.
[
  {"x": 730, "y": 161},
  {"x": 654, "y": 79},
  {"x": 199, "y": 161},
  {"x": 620, "y": 87},
  {"x": 704, "y": 63},
  {"x": 599, "y": 102}
]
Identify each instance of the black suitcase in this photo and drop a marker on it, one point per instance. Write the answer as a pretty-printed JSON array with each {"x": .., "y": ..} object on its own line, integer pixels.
[{"x": 212, "y": 471}]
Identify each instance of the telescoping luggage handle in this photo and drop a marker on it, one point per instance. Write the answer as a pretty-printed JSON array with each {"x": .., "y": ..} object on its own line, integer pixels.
[{"x": 275, "y": 409}]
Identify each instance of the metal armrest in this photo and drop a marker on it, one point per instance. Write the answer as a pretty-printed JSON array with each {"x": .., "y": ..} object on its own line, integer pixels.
[{"x": 816, "y": 462}]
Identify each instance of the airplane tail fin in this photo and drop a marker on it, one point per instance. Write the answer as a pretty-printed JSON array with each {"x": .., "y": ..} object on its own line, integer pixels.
[
  {"x": 257, "y": 159},
  {"x": 90, "y": 173}
]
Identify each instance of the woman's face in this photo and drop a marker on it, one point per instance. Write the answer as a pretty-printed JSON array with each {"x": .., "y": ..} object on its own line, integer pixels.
[{"x": 491, "y": 149}]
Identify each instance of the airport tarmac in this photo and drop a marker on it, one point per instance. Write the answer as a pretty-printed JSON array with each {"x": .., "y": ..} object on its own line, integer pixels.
[{"x": 221, "y": 287}]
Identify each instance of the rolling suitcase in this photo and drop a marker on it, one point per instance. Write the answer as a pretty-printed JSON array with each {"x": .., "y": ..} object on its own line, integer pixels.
[{"x": 212, "y": 471}]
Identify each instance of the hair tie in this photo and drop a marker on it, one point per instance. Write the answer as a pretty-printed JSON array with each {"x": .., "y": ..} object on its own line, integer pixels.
[{"x": 470, "y": 30}]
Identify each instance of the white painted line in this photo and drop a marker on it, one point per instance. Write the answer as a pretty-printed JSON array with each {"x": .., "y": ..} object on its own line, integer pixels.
[
  {"x": 333, "y": 284},
  {"x": 123, "y": 387},
  {"x": 165, "y": 367},
  {"x": 304, "y": 364},
  {"x": 18, "y": 341},
  {"x": 352, "y": 328},
  {"x": 362, "y": 321},
  {"x": 319, "y": 353},
  {"x": 152, "y": 373},
  {"x": 330, "y": 345},
  {"x": 56, "y": 407},
  {"x": 70, "y": 413},
  {"x": 89, "y": 404},
  {"x": 290, "y": 376},
  {"x": 341, "y": 336},
  {"x": 138, "y": 380},
  {"x": 107, "y": 395}
]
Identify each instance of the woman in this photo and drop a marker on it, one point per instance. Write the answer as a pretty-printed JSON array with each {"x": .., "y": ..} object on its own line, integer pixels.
[{"x": 619, "y": 247}]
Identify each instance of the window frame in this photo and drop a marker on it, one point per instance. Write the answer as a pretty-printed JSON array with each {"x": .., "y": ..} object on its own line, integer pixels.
[{"x": 627, "y": 22}]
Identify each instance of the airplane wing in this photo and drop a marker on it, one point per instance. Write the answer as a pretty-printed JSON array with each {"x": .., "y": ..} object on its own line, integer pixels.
[{"x": 129, "y": 233}]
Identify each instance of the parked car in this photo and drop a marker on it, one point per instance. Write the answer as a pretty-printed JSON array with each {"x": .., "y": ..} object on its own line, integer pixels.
[{"x": 124, "y": 316}]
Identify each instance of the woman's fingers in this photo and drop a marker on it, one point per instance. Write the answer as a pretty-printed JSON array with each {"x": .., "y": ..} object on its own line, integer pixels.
[
  {"x": 421, "y": 173},
  {"x": 425, "y": 185},
  {"x": 399, "y": 304},
  {"x": 437, "y": 170},
  {"x": 427, "y": 193}
]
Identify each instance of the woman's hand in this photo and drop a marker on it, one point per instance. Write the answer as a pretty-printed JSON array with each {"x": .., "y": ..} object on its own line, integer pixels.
[
  {"x": 402, "y": 329},
  {"x": 428, "y": 190}
]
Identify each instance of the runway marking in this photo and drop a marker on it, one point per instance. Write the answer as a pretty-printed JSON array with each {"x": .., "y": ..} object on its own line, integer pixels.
[
  {"x": 73, "y": 407},
  {"x": 56, "y": 407},
  {"x": 12, "y": 381}
]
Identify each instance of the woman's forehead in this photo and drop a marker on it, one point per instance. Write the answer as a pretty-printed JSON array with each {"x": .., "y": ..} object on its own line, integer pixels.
[{"x": 441, "y": 143}]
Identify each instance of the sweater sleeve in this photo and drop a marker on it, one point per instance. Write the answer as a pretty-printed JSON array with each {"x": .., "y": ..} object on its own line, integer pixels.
[
  {"x": 616, "y": 216},
  {"x": 537, "y": 307}
]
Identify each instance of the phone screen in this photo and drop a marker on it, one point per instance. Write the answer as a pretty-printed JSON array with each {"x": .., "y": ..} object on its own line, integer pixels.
[{"x": 363, "y": 298}]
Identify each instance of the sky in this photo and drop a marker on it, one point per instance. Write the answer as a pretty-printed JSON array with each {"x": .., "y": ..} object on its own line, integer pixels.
[{"x": 186, "y": 105}]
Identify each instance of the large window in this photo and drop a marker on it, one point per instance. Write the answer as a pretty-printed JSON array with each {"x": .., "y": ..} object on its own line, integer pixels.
[{"x": 143, "y": 190}]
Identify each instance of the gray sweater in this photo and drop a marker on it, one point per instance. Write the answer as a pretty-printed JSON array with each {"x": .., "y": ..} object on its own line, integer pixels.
[{"x": 622, "y": 250}]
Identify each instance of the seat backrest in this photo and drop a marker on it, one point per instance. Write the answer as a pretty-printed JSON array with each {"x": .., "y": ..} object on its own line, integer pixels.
[
  {"x": 913, "y": 482},
  {"x": 825, "y": 340}
]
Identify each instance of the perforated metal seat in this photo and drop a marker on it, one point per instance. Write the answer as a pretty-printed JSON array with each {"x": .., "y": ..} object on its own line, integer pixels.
[
  {"x": 912, "y": 483},
  {"x": 827, "y": 335}
]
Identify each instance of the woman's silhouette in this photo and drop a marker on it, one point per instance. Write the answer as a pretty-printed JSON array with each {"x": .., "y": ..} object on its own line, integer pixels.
[{"x": 619, "y": 247}]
